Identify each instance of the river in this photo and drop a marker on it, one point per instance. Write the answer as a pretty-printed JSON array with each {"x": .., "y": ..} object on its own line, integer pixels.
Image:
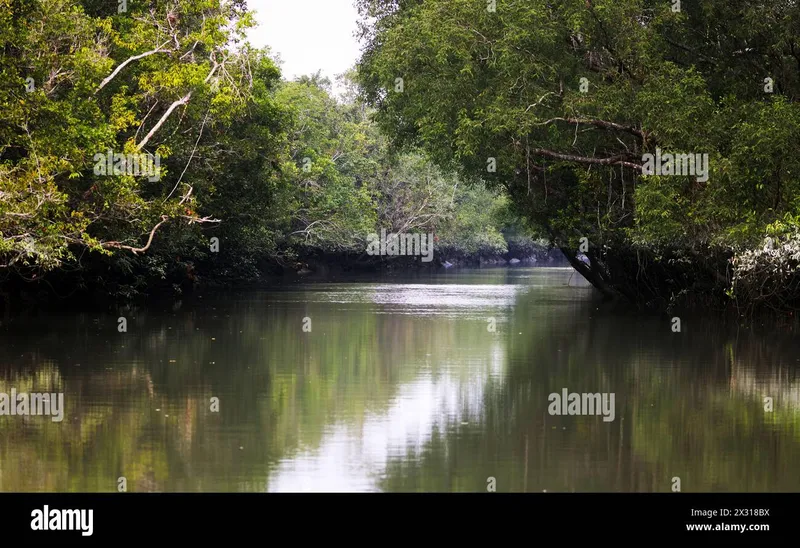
[{"x": 431, "y": 382}]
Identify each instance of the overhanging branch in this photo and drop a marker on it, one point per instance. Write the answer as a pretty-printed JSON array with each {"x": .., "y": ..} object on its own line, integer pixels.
[
  {"x": 611, "y": 160},
  {"x": 136, "y": 250}
]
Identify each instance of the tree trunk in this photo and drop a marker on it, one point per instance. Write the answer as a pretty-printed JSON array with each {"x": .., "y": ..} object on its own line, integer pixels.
[{"x": 591, "y": 276}]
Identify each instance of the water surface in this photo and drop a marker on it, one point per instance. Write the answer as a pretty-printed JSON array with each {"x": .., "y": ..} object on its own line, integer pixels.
[{"x": 435, "y": 382}]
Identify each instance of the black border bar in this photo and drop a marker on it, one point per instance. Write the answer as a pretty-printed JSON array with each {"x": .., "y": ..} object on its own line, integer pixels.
[{"x": 267, "y": 518}]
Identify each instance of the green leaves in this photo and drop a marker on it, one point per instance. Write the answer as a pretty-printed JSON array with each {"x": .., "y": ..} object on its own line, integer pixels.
[
  {"x": 99, "y": 82},
  {"x": 567, "y": 97}
]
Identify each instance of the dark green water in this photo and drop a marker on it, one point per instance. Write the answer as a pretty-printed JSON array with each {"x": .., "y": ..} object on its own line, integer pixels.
[{"x": 400, "y": 385}]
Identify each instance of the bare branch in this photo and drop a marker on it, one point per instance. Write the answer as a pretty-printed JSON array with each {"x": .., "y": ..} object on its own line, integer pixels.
[
  {"x": 136, "y": 250},
  {"x": 539, "y": 102},
  {"x": 189, "y": 161},
  {"x": 182, "y": 101},
  {"x": 164, "y": 219},
  {"x": 128, "y": 61},
  {"x": 173, "y": 106},
  {"x": 612, "y": 160}
]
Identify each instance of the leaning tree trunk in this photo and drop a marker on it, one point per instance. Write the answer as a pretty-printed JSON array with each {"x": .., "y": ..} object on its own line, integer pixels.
[{"x": 593, "y": 276}]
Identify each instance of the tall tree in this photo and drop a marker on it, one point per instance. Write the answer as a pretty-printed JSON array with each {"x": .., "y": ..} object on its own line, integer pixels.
[{"x": 558, "y": 104}]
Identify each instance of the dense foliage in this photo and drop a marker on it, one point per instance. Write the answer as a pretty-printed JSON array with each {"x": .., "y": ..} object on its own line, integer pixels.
[
  {"x": 253, "y": 171},
  {"x": 484, "y": 123},
  {"x": 566, "y": 98}
]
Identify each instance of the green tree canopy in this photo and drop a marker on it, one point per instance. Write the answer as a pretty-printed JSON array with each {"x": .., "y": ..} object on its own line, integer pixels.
[{"x": 565, "y": 99}]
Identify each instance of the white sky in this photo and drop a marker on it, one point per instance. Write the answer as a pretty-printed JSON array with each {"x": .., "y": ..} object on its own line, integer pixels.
[{"x": 308, "y": 35}]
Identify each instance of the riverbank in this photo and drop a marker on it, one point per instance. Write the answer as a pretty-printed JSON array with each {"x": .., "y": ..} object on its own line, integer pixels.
[
  {"x": 100, "y": 286},
  {"x": 103, "y": 286}
]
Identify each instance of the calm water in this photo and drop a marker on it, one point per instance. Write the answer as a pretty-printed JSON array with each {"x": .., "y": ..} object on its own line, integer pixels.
[{"x": 400, "y": 385}]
